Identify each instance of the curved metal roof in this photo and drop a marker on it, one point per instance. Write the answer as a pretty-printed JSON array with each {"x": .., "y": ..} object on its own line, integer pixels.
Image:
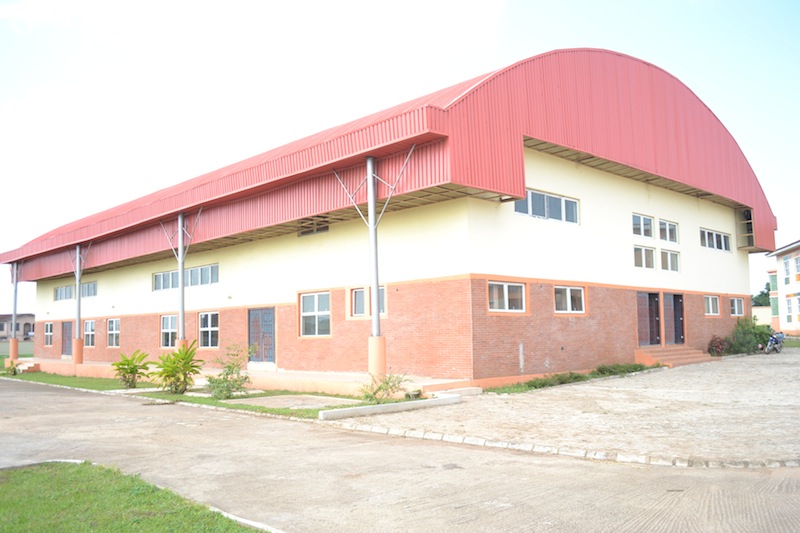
[{"x": 597, "y": 107}]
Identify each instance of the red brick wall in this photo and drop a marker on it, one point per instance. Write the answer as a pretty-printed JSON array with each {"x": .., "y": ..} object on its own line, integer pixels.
[
  {"x": 437, "y": 328},
  {"x": 553, "y": 342}
]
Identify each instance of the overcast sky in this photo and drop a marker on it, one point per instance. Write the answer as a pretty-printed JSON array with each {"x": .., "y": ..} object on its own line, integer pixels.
[{"x": 102, "y": 102}]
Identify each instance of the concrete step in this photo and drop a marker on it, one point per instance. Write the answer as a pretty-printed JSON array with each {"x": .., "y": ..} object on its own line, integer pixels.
[{"x": 672, "y": 356}]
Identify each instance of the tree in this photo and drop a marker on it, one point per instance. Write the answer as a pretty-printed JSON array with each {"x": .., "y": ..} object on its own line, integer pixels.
[{"x": 762, "y": 298}]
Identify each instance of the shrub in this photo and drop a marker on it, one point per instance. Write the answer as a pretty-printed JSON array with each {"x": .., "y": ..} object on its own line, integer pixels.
[
  {"x": 716, "y": 346},
  {"x": 617, "y": 369},
  {"x": 555, "y": 379},
  {"x": 230, "y": 380},
  {"x": 176, "y": 371},
  {"x": 13, "y": 368},
  {"x": 746, "y": 337},
  {"x": 380, "y": 390},
  {"x": 131, "y": 369}
]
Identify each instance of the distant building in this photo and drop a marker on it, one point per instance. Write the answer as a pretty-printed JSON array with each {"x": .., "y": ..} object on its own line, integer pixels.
[
  {"x": 24, "y": 327},
  {"x": 570, "y": 210},
  {"x": 785, "y": 289}
]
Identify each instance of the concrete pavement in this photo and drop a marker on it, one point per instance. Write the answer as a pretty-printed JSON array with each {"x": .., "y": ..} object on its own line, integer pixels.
[{"x": 314, "y": 476}]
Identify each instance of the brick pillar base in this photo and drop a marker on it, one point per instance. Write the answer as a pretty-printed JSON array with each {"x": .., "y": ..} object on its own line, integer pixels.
[
  {"x": 77, "y": 351},
  {"x": 377, "y": 356},
  {"x": 13, "y": 349}
]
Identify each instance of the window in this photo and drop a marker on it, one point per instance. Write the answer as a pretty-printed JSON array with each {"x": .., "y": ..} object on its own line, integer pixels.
[
  {"x": 88, "y": 289},
  {"x": 644, "y": 257},
  {"x": 787, "y": 271},
  {"x": 88, "y": 333},
  {"x": 358, "y": 303},
  {"x": 715, "y": 240},
  {"x": 668, "y": 231},
  {"x": 202, "y": 275},
  {"x": 113, "y": 333},
  {"x": 209, "y": 330},
  {"x": 315, "y": 314},
  {"x": 797, "y": 267},
  {"x": 169, "y": 331},
  {"x": 669, "y": 260},
  {"x": 788, "y": 309},
  {"x": 64, "y": 293},
  {"x": 737, "y": 307},
  {"x": 541, "y": 205},
  {"x": 48, "y": 333},
  {"x": 642, "y": 225},
  {"x": 712, "y": 305},
  {"x": 569, "y": 300},
  {"x": 506, "y": 296}
]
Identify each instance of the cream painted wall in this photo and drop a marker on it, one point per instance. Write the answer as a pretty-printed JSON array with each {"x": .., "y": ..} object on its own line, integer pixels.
[
  {"x": 421, "y": 243},
  {"x": 600, "y": 248},
  {"x": 452, "y": 238}
]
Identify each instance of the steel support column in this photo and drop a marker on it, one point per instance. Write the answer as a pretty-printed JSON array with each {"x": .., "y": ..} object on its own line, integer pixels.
[
  {"x": 377, "y": 343},
  {"x": 181, "y": 255},
  {"x": 13, "y": 342},
  {"x": 77, "y": 341}
]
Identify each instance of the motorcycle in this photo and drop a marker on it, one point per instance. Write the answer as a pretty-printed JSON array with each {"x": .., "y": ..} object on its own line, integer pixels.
[{"x": 775, "y": 342}]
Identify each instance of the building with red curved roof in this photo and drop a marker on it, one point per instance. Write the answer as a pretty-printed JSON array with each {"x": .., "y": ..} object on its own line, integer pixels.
[{"x": 575, "y": 208}]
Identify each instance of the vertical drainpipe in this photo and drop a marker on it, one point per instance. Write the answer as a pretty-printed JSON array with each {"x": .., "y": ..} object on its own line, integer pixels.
[
  {"x": 77, "y": 342},
  {"x": 377, "y": 343},
  {"x": 181, "y": 286},
  {"x": 13, "y": 342}
]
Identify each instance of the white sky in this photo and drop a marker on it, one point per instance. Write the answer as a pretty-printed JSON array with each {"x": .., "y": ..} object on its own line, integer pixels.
[{"x": 102, "y": 102}]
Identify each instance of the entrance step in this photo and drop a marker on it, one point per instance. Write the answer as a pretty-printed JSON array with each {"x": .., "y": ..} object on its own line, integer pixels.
[{"x": 672, "y": 356}]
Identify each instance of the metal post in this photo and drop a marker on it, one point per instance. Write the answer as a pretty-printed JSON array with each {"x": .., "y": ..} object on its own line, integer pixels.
[
  {"x": 13, "y": 342},
  {"x": 14, "y": 278},
  {"x": 373, "y": 247},
  {"x": 181, "y": 283},
  {"x": 78, "y": 291},
  {"x": 377, "y": 344}
]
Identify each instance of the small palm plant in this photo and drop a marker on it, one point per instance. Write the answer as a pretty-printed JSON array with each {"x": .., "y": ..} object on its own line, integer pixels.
[
  {"x": 175, "y": 371},
  {"x": 131, "y": 369}
]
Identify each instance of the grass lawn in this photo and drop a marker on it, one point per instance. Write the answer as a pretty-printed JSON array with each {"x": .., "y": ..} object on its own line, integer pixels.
[{"x": 82, "y": 497}]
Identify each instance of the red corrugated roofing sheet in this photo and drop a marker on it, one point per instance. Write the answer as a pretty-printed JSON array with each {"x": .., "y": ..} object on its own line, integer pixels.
[{"x": 606, "y": 104}]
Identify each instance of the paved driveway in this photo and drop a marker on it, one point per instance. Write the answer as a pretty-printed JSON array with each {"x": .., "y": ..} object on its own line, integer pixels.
[{"x": 303, "y": 477}]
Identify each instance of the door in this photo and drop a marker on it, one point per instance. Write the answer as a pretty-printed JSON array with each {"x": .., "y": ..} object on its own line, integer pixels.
[
  {"x": 648, "y": 307},
  {"x": 673, "y": 319},
  {"x": 261, "y": 334},
  {"x": 66, "y": 338}
]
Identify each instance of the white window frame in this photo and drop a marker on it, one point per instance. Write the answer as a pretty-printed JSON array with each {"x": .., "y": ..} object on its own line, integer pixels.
[
  {"x": 787, "y": 270},
  {"x": 668, "y": 231},
  {"x": 169, "y": 331},
  {"x": 208, "y": 329},
  {"x": 501, "y": 302},
  {"x": 644, "y": 257},
  {"x": 711, "y": 304},
  {"x": 112, "y": 333},
  {"x": 65, "y": 292},
  {"x": 715, "y": 240},
  {"x": 568, "y": 300},
  {"x": 88, "y": 289},
  {"x": 670, "y": 260},
  {"x": 528, "y": 206},
  {"x": 737, "y": 306},
  {"x": 788, "y": 309},
  {"x": 639, "y": 227},
  {"x": 88, "y": 333},
  {"x": 192, "y": 277},
  {"x": 315, "y": 314},
  {"x": 48, "y": 333},
  {"x": 359, "y": 302}
]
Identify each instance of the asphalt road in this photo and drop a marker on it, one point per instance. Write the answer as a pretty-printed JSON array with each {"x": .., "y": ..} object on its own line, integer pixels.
[{"x": 308, "y": 476}]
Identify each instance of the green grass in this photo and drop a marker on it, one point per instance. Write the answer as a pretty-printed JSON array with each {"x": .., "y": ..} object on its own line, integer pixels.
[
  {"x": 74, "y": 381},
  {"x": 792, "y": 342},
  {"x": 80, "y": 497},
  {"x": 230, "y": 404},
  {"x": 553, "y": 380},
  {"x": 103, "y": 384}
]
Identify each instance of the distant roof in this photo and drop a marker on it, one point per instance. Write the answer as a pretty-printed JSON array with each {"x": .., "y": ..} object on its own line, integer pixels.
[
  {"x": 596, "y": 107},
  {"x": 783, "y": 250}
]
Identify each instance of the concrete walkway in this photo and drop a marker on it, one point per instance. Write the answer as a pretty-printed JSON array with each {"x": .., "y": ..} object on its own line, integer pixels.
[
  {"x": 740, "y": 412},
  {"x": 313, "y": 476}
]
